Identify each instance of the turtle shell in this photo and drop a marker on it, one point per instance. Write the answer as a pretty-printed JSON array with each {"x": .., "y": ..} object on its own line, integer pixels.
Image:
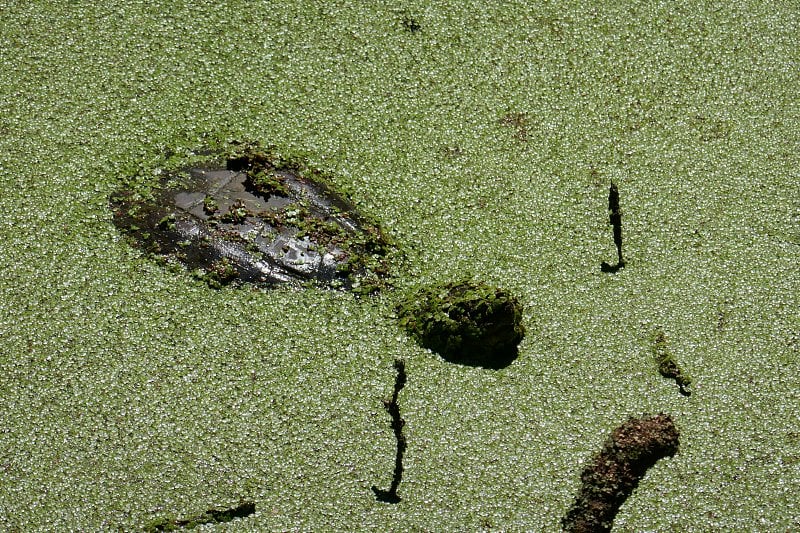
[{"x": 254, "y": 217}]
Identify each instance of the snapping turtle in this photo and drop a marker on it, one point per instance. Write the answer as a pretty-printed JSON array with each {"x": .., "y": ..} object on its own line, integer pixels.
[{"x": 259, "y": 218}]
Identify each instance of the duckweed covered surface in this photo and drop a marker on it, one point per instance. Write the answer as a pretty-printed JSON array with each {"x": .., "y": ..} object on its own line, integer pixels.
[{"x": 133, "y": 393}]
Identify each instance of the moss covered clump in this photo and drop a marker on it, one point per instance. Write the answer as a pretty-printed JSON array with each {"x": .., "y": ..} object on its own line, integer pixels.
[
  {"x": 212, "y": 516},
  {"x": 465, "y": 322},
  {"x": 668, "y": 365}
]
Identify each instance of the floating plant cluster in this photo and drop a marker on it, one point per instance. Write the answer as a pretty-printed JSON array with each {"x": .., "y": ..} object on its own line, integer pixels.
[
  {"x": 465, "y": 322},
  {"x": 667, "y": 364}
]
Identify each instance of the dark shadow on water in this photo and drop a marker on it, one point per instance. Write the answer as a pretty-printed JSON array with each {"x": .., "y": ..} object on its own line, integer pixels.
[
  {"x": 212, "y": 516},
  {"x": 386, "y": 496},
  {"x": 496, "y": 361},
  {"x": 605, "y": 267}
]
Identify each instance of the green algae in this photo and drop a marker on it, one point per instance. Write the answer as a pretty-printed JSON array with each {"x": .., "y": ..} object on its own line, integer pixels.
[
  {"x": 128, "y": 395},
  {"x": 466, "y": 322},
  {"x": 668, "y": 364}
]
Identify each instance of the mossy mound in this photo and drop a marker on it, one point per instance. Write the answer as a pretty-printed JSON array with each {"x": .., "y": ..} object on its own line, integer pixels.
[{"x": 465, "y": 322}]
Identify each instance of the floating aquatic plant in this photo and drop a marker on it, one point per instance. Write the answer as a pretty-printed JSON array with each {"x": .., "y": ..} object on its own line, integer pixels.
[{"x": 465, "y": 322}]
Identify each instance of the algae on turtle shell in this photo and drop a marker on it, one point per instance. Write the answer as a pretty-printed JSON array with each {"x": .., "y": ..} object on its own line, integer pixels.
[{"x": 259, "y": 218}]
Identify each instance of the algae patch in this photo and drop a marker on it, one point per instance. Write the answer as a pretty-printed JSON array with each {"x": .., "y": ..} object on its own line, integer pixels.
[
  {"x": 668, "y": 365},
  {"x": 465, "y": 322},
  {"x": 250, "y": 215}
]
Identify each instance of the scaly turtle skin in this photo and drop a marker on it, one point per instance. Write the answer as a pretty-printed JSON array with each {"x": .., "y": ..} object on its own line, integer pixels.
[{"x": 258, "y": 219}]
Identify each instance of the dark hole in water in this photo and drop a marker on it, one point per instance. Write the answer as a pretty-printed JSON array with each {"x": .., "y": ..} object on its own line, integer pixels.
[{"x": 393, "y": 408}]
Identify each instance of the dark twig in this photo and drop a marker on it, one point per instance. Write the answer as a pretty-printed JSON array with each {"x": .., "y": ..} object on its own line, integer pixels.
[
  {"x": 393, "y": 408},
  {"x": 615, "y": 219},
  {"x": 212, "y": 516}
]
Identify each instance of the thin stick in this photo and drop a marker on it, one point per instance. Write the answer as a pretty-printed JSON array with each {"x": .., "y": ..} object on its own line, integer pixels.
[
  {"x": 393, "y": 408},
  {"x": 615, "y": 219}
]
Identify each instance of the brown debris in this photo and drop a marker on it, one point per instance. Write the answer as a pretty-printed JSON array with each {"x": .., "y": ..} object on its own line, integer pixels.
[{"x": 615, "y": 472}]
